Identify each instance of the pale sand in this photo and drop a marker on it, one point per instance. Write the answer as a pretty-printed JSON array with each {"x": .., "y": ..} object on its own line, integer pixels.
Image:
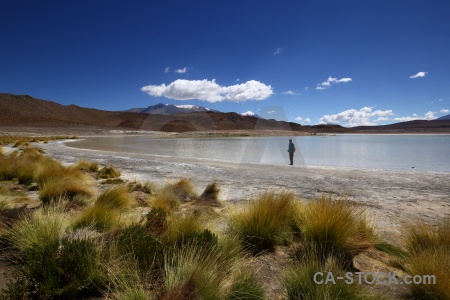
[{"x": 389, "y": 196}]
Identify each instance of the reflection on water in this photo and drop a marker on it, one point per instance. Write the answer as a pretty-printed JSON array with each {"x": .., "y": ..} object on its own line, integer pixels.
[{"x": 419, "y": 152}]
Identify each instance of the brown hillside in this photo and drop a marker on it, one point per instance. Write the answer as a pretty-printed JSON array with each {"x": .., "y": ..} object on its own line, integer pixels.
[{"x": 17, "y": 110}]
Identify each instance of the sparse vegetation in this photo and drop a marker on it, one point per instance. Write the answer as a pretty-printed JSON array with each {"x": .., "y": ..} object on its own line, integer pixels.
[{"x": 106, "y": 247}]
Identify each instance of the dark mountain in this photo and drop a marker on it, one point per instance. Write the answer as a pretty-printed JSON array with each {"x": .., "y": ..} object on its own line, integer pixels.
[{"x": 447, "y": 117}]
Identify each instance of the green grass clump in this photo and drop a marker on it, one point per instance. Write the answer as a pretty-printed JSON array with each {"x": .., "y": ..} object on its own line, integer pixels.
[
  {"x": 245, "y": 286},
  {"x": 265, "y": 222},
  {"x": 60, "y": 269},
  {"x": 157, "y": 221},
  {"x": 36, "y": 230},
  {"x": 192, "y": 273},
  {"x": 334, "y": 227},
  {"x": 299, "y": 282},
  {"x": 144, "y": 249},
  {"x": 108, "y": 172},
  {"x": 429, "y": 254}
]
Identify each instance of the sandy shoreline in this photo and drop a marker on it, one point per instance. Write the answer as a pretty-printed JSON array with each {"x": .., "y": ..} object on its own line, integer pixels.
[{"x": 390, "y": 196}]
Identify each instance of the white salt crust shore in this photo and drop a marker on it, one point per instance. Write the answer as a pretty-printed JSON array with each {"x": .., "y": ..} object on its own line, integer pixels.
[{"x": 389, "y": 197}]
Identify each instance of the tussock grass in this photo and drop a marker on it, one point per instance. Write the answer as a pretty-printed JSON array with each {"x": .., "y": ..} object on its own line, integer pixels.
[
  {"x": 334, "y": 227},
  {"x": 36, "y": 230},
  {"x": 57, "y": 182},
  {"x": 109, "y": 172},
  {"x": 245, "y": 286},
  {"x": 2, "y": 151},
  {"x": 299, "y": 281},
  {"x": 100, "y": 217},
  {"x": 141, "y": 248},
  {"x": 429, "y": 254},
  {"x": 115, "y": 198},
  {"x": 84, "y": 165},
  {"x": 210, "y": 195},
  {"x": 266, "y": 221},
  {"x": 166, "y": 199},
  {"x": 183, "y": 189},
  {"x": 105, "y": 213},
  {"x": 191, "y": 273}
]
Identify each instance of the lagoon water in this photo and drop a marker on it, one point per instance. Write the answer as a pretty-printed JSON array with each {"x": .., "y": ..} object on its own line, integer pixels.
[{"x": 408, "y": 152}]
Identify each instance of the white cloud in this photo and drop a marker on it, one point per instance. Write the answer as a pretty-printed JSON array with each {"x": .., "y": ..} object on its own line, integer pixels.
[
  {"x": 277, "y": 51},
  {"x": 440, "y": 100},
  {"x": 353, "y": 117},
  {"x": 428, "y": 116},
  {"x": 307, "y": 121},
  {"x": 444, "y": 111},
  {"x": 298, "y": 119},
  {"x": 331, "y": 80},
  {"x": 209, "y": 90},
  {"x": 306, "y": 88},
  {"x": 167, "y": 70},
  {"x": 419, "y": 75},
  {"x": 271, "y": 112},
  {"x": 181, "y": 71},
  {"x": 290, "y": 93}
]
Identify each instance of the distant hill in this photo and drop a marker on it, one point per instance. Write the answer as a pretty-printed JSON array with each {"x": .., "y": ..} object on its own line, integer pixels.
[
  {"x": 23, "y": 110},
  {"x": 447, "y": 117},
  {"x": 417, "y": 126}
]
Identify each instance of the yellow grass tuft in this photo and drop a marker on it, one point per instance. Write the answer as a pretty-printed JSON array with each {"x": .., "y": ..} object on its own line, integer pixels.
[
  {"x": 183, "y": 189},
  {"x": 84, "y": 165},
  {"x": 429, "y": 254},
  {"x": 334, "y": 227},
  {"x": 266, "y": 221},
  {"x": 108, "y": 172}
]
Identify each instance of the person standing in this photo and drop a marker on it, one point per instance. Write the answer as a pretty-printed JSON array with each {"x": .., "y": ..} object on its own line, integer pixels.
[{"x": 291, "y": 151}]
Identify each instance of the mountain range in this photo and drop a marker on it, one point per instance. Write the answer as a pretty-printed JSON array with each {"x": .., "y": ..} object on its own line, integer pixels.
[{"x": 24, "y": 110}]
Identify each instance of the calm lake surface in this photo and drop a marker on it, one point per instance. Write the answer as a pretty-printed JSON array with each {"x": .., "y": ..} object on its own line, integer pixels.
[{"x": 408, "y": 152}]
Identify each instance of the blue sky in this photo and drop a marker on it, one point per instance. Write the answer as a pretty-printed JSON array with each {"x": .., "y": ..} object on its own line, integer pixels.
[{"x": 345, "y": 62}]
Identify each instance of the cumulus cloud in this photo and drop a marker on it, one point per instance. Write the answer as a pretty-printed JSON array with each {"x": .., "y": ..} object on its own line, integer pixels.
[
  {"x": 298, "y": 119},
  {"x": 444, "y": 111},
  {"x": 353, "y": 117},
  {"x": 167, "y": 70},
  {"x": 331, "y": 80},
  {"x": 290, "y": 93},
  {"x": 428, "y": 116},
  {"x": 307, "y": 121},
  {"x": 277, "y": 51},
  {"x": 209, "y": 90},
  {"x": 271, "y": 112},
  {"x": 419, "y": 75}
]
